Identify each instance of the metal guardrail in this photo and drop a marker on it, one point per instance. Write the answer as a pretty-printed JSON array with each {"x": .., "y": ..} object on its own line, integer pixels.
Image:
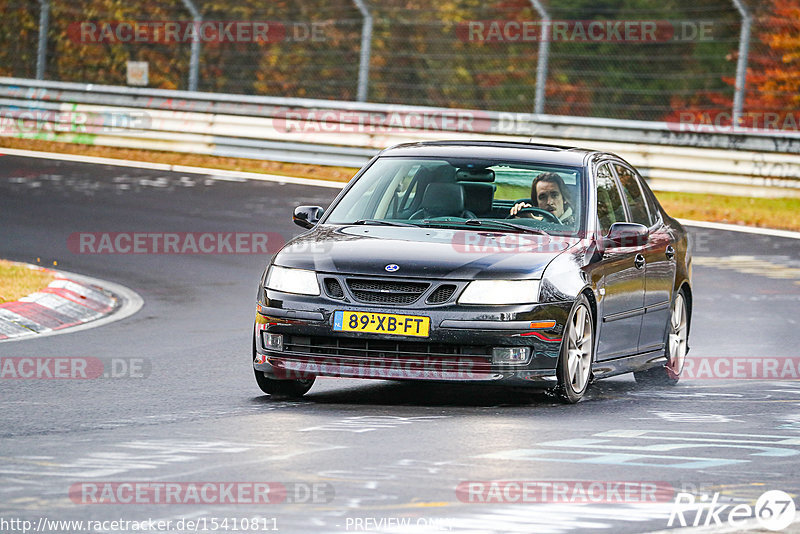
[{"x": 672, "y": 157}]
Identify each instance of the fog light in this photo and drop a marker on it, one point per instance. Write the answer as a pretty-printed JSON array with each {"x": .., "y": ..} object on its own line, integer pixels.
[
  {"x": 510, "y": 354},
  {"x": 273, "y": 341}
]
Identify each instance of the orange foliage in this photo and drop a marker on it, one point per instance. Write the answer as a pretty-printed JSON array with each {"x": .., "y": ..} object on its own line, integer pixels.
[{"x": 772, "y": 97}]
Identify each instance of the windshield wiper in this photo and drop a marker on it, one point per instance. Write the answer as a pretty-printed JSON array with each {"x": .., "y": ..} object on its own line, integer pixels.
[
  {"x": 382, "y": 222},
  {"x": 505, "y": 224}
]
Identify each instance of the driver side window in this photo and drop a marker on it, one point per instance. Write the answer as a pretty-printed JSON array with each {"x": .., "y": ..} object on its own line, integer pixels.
[{"x": 609, "y": 201}]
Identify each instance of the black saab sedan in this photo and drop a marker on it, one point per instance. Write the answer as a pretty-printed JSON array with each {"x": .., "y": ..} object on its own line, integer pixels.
[{"x": 494, "y": 262}]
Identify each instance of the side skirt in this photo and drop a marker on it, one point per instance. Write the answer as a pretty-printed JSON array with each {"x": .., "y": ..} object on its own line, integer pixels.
[{"x": 628, "y": 364}]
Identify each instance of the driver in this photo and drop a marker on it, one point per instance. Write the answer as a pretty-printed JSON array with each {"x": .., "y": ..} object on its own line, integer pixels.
[{"x": 551, "y": 194}]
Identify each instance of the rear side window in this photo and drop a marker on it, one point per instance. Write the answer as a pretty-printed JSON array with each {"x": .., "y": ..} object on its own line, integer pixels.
[
  {"x": 652, "y": 203},
  {"x": 609, "y": 201},
  {"x": 634, "y": 194}
]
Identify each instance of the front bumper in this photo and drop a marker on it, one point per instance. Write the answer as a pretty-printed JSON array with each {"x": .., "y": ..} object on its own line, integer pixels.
[{"x": 458, "y": 348}]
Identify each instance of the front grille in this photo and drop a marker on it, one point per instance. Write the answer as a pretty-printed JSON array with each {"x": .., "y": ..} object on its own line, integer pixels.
[
  {"x": 361, "y": 349},
  {"x": 386, "y": 291},
  {"x": 441, "y": 294},
  {"x": 334, "y": 288}
]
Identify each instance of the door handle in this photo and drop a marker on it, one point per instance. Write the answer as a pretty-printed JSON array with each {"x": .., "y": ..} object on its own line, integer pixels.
[
  {"x": 639, "y": 261},
  {"x": 670, "y": 252}
]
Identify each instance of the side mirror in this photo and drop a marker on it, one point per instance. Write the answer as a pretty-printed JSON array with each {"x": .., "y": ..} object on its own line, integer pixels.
[
  {"x": 626, "y": 235},
  {"x": 307, "y": 216}
]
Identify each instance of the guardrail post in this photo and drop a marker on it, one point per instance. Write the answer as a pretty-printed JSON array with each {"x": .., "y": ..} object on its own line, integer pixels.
[
  {"x": 366, "y": 51},
  {"x": 44, "y": 28},
  {"x": 544, "y": 56},
  {"x": 741, "y": 64},
  {"x": 194, "y": 62}
]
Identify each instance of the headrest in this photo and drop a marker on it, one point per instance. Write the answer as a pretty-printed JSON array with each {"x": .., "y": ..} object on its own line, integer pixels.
[
  {"x": 439, "y": 173},
  {"x": 442, "y": 200},
  {"x": 478, "y": 196}
]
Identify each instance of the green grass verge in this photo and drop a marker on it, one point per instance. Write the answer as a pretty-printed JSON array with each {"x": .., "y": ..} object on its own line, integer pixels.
[
  {"x": 783, "y": 213},
  {"x": 18, "y": 281}
]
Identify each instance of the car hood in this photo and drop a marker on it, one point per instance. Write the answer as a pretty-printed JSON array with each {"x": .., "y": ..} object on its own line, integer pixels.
[{"x": 422, "y": 252}]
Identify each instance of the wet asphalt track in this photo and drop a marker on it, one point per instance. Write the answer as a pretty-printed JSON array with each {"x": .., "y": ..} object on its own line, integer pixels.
[{"x": 382, "y": 454}]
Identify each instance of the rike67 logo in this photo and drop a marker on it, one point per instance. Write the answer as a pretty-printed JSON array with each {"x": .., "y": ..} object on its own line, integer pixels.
[{"x": 774, "y": 510}]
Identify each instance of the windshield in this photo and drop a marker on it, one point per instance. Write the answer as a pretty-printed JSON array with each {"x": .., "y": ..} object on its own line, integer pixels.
[{"x": 469, "y": 193}]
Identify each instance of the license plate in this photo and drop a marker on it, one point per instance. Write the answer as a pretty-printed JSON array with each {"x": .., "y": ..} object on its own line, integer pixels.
[{"x": 381, "y": 323}]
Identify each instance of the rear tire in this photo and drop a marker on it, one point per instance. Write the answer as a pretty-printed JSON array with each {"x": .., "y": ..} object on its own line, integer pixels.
[
  {"x": 677, "y": 346},
  {"x": 574, "y": 369}
]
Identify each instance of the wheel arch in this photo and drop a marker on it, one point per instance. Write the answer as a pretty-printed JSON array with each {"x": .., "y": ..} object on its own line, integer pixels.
[
  {"x": 687, "y": 291},
  {"x": 562, "y": 389},
  {"x": 592, "y": 300},
  {"x": 589, "y": 294}
]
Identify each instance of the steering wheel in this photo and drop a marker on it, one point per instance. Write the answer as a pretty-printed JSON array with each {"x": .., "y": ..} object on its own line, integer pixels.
[{"x": 536, "y": 211}]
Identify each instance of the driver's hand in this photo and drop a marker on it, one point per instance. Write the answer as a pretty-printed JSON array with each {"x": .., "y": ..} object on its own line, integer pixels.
[{"x": 518, "y": 206}]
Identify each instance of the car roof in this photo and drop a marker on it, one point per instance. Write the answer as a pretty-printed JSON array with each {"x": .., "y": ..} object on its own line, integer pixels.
[{"x": 503, "y": 150}]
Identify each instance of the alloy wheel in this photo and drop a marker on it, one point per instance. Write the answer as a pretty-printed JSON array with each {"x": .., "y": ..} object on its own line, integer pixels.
[
  {"x": 579, "y": 349},
  {"x": 677, "y": 337}
]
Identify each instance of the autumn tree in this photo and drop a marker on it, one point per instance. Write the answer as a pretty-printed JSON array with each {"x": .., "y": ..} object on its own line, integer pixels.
[
  {"x": 773, "y": 76},
  {"x": 772, "y": 96}
]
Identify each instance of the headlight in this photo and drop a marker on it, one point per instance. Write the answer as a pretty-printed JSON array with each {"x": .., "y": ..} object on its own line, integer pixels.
[
  {"x": 297, "y": 281},
  {"x": 500, "y": 292}
]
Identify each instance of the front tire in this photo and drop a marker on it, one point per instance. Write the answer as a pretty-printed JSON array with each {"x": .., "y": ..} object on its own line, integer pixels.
[
  {"x": 283, "y": 388},
  {"x": 577, "y": 354},
  {"x": 677, "y": 346},
  {"x": 280, "y": 388}
]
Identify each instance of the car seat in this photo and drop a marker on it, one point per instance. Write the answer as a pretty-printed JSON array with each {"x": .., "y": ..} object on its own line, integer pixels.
[{"x": 443, "y": 200}]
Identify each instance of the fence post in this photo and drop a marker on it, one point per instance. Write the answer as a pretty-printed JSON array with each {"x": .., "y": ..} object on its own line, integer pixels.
[
  {"x": 366, "y": 51},
  {"x": 544, "y": 56},
  {"x": 741, "y": 64},
  {"x": 44, "y": 28},
  {"x": 194, "y": 62}
]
